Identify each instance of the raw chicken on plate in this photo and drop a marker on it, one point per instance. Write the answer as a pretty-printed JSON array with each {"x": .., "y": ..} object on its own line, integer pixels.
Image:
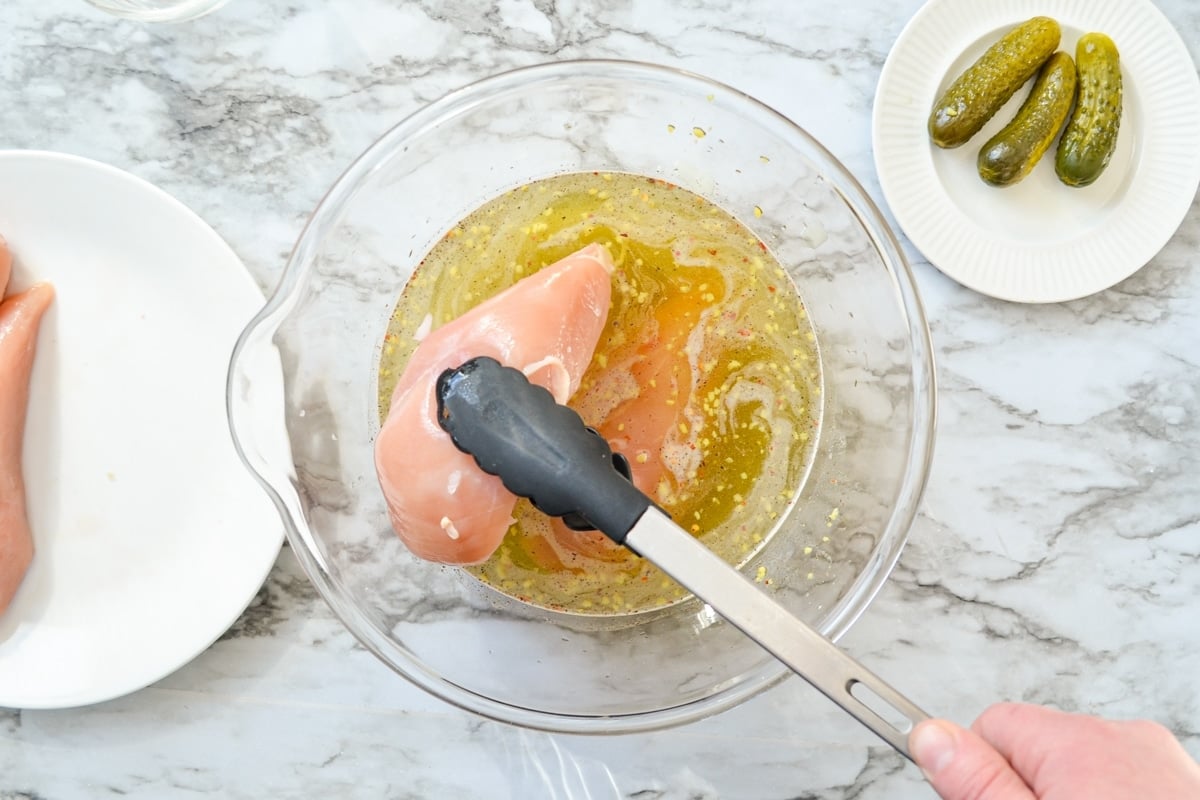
[{"x": 20, "y": 317}]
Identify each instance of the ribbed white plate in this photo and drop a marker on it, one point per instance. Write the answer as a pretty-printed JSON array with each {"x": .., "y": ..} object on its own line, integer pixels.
[{"x": 1039, "y": 241}]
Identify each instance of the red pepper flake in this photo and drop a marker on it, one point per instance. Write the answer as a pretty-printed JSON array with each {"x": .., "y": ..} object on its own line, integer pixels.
[
  {"x": 771, "y": 289},
  {"x": 762, "y": 247},
  {"x": 712, "y": 252}
]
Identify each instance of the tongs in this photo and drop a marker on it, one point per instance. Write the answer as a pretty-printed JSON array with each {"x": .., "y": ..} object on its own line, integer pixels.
[{"x": 544, "y": 451}]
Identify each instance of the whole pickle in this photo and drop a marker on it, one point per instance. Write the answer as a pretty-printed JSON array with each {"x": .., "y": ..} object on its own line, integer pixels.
[
  {"x": 1091, "y": 136},
  {"x": 1012, "y": 153},
  {"x": 978, "y": 93}
]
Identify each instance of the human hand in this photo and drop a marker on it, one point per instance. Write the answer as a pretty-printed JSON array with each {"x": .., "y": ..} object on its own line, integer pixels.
[{"x": 1026, "y": 752}]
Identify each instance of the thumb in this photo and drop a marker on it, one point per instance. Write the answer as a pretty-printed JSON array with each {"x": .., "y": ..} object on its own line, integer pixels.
[{"x": 962, "y": 766}]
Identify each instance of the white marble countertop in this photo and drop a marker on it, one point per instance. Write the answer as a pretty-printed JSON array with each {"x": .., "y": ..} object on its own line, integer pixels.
[{"x": 1056, "y": 559}]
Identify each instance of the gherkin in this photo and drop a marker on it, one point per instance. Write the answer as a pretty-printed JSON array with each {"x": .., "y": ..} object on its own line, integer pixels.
[
  {"x": 1091, "y": 136},
  {"x": 978, "y": 93},
  {"x": 1012, "y": 153}
]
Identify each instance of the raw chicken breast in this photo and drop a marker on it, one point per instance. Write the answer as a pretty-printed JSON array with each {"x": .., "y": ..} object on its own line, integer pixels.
[
  {"x": 441, "y": 504},
  {"x": 640, "y": 426},
  {"x": 20, "y": 316}
]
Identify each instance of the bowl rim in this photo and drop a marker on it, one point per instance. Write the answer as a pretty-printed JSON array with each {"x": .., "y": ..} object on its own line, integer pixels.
[
  {"x": 923, "y": 414},
  {"x": 184, "y": 11}
]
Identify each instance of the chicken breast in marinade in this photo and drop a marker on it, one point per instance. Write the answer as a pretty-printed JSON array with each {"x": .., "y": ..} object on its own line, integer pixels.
[{"x": 441, "y": 504}]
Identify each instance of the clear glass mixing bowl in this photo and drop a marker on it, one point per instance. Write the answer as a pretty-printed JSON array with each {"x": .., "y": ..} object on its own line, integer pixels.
[
  {"x": 324, "y": 325},
  {"x": 159, "y": 10}
]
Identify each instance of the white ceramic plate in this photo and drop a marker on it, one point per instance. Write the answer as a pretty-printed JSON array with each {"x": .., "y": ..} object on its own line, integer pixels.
[
  {"x": 151, "y": 537},
  {"x": 1039, "y": 241}
]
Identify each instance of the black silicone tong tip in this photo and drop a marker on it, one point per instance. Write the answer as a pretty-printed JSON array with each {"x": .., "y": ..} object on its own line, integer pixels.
[
  {"x": 539, "y": 449},
  {"x": 620, "y": 463}
]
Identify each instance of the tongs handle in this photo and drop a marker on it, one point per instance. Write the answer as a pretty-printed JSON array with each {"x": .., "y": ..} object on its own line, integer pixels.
[
  {"x": 830, "y": 670},
  {"x": 543, "y": 451}
]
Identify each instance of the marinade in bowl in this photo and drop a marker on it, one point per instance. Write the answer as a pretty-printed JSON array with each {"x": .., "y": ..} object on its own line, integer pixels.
[
  {"x": 706, "y": 377},
  {"x": 842, "y": 357}
]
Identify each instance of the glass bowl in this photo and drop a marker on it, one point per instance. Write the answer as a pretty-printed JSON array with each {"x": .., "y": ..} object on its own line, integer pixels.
[
  {"x": 159, "y": 10},
  {"x": 323, "y": 327}
]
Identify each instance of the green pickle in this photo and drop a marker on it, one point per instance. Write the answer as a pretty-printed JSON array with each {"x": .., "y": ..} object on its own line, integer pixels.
[
  {"x": 1012, "y": 153},
  {"x": 979, "y": 92},
  {"x": 1090, "y": 139}
]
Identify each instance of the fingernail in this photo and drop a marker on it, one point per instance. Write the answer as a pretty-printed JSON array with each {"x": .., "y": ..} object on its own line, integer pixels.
[{"x": 933, "y": 746}]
